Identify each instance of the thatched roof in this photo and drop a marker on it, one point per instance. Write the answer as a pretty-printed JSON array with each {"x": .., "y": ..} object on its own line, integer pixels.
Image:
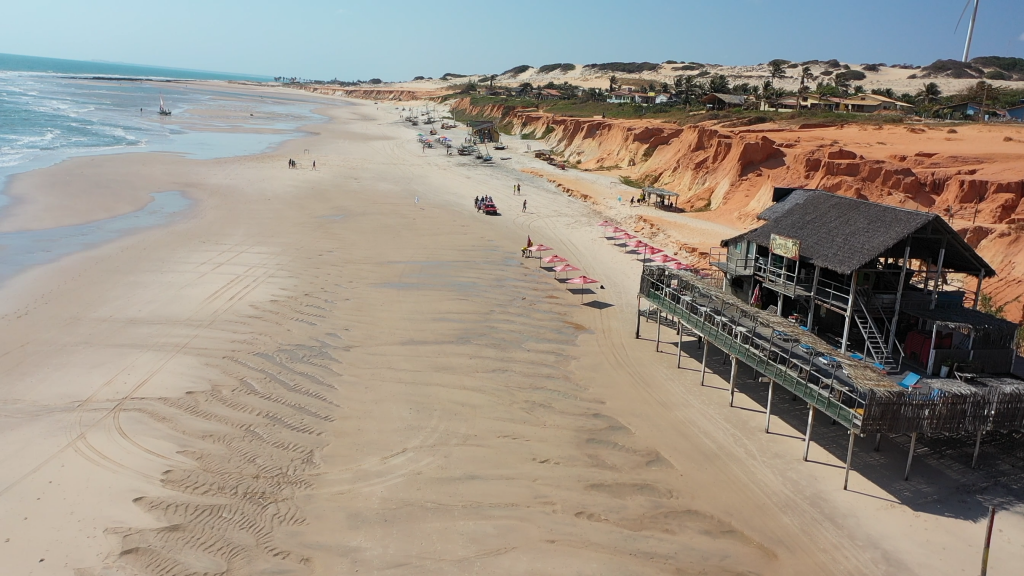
[
  {"x": 660, "y": 192},
  {"x": 731, "y": 99},
  {"x": 843, "y": 234}
]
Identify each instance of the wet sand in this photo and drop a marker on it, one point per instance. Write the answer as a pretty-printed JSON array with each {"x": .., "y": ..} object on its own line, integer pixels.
[{"x": 311, "y": 373}]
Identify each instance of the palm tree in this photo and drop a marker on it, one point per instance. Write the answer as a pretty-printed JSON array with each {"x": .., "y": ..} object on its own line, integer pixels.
[
  {"x": 776, "y": 71},
  {"x": 612, "y": 82},
  {"x": 842, "y": 84},
  {"x": 689, "y": 88},
  {"x": 929, "y": 94},
  {"x": 718, "y": 84},
  {"x": 806, "y": 76}
]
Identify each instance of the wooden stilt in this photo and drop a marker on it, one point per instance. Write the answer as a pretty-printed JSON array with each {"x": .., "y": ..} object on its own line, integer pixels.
[
  {"x": 638, "y": 317},
  {"x": 807, "y": 437},
  {"x": 679, "y": 349},
  {"x": 977, "y": 450},
  {"x": 768, "y": 411},
  {"x": 849, "y": 460},
  {"x": 910, "y": 456},
  {"x": 732, "y": 381},
  {"x": 657, "y": 340},
  {"x": 878, "y": 441},
  {"x": 704, "y": 364}
]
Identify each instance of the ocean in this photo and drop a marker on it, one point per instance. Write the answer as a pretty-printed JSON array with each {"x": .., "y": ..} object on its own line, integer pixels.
[
  {"x": 54, "y": 109},
  {"x": 51, "y": 110}
]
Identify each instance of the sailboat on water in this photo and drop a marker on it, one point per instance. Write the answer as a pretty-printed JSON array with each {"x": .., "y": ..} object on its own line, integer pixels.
[{"x": 164, "y": 111}]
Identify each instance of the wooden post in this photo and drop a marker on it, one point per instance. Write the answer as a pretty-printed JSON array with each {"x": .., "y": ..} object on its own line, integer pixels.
[
  {"x": 910, "y": 456},
  {"x": 732, "y": 381},
  {"x": 807, "y": 437},
  {"x": 899, "y": 296},
  {"x": 657, "y": 340},
  {"x": 977, "y": 450},
  {"x": 849, "y": 312},
  {"x": 768, "y": 410},
  {"x": 679, "y": 349},
  {"x": 988, "y": 540},
  {"x": 931, "y": 348},
  {"x": 814, "y": 292},
  {"x": 704, "y": 363},
  {"x": 977, "y": 291},
  {"x": 938, "y": 276},
  {"x": 849, "y": 460},
  {"x": 638, "y": 317}
]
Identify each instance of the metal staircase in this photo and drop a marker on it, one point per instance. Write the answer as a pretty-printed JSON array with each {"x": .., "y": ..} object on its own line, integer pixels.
[{"x": 876, "y": 345}]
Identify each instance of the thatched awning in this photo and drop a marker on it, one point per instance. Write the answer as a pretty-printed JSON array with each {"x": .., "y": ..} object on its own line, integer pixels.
[
  {"x": 966, "y": 318},
  {"x": 660, "y": 192}
]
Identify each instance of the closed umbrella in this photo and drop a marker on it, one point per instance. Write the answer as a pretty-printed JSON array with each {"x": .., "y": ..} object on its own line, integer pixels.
[{"x": 581, "y": 280}]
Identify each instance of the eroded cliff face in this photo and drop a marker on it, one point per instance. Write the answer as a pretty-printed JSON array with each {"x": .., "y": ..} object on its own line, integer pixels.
[{"x": 973, "y": 174}]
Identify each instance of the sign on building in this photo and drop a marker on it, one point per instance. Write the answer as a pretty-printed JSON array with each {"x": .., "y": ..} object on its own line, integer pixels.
[{"x": 787, "y": 247}]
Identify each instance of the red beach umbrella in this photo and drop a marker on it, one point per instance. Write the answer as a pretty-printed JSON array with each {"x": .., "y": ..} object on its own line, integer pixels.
[
  {"x": 581, "y": 280},
  {"x": 555, "y": 259},
  {"x": 565, "y": 268},
  {"x": 538, "y": 248},
  {"x": 625, "y": 236},
  {"x": 677, "y": 266},
  {"x": 604, "y": 224},
  {"x": 614, "y": 230},
  {"x": 636, "y": 244},
  {"x": 664, "y": 258}
]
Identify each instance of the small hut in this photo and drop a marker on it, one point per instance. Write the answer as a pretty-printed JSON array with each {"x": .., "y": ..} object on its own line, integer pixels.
[{"x": 663, "y": 199}]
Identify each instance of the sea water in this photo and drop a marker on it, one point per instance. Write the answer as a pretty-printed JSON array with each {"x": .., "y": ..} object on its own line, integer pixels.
[{"x": 51, "y": 110}]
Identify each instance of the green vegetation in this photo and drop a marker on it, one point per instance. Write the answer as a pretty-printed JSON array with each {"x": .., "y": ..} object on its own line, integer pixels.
[
  {"x": 852, "y": 75},
  {"x": 624, "y": 67},
  {"x": 630, "y": 182},
  {"x": 451, "y": 76},
  {"x": 1004, "y": 63},
  {"x": 513, "y": 72},
  {"x": 953, "y": 69},
  {"x": 563, "y": 67},
  {"x": 375, "y": 81},
  {"x": 997, "y": 75},
  {"x": 418, "y": 78}
]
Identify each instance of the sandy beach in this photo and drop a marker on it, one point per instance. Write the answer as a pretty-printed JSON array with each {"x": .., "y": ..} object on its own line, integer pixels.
[{"x": 351, "y": 370}]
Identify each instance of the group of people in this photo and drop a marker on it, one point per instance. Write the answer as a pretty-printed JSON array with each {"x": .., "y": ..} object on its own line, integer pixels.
[
  {"x": 517, "y": 189},
  {"x": 479, "y": 202},
  {"x": 638, "y": 201},
  {"x": 294, "y": 164}
]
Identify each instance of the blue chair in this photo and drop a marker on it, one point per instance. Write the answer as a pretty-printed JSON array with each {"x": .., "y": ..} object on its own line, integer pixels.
[
  {"x": 910, "y": 381},
  {"x": 856, "y": 356}
]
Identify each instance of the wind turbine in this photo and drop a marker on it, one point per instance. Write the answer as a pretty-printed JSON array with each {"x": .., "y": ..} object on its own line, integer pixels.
[{"x": 970, "y": 28}]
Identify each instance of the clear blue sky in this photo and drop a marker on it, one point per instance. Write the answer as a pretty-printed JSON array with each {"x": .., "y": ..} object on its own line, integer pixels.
[{"x": 400, "y": 39}]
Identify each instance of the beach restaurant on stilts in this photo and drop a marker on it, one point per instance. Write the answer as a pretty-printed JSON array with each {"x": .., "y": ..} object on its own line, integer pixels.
[{"x": 866, "y": 312}]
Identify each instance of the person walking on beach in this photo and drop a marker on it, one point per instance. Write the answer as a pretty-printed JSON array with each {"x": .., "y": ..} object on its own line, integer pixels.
[
  {"x": 524, "y": 205},
  {"x": 314, "y": 164}
]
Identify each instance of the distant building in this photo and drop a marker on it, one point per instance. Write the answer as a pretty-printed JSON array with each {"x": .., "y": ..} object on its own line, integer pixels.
[
  {"x": 547, "y": 94},
  {"x": 870, "y": 103},
  {"x": 723, "y": 101},
  {"x": 622, "y": 96},
  {"x": 958, "y": 111},
  {"x": 1016, "y": 113},
  {"x": 484, "y": 131}
]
